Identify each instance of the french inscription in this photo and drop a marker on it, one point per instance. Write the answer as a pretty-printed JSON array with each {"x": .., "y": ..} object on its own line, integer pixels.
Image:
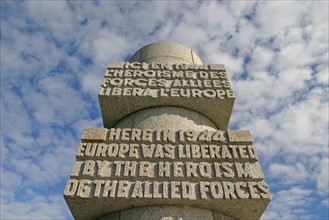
[
  {"x": 164, "y": 66},
  {"x": 166, "y": 80}
]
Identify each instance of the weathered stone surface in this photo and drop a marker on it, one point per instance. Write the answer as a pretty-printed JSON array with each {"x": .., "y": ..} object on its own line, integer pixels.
[
  {"x": 134, "y": 167},
  {"x": 166, "y": 52},
  {"x": 93, "y": 134},
  {"x": 239, "y": 136},
  {"x": 165, "y": 151},
  {"x": 93, "y": 208},
  {"x": 164, "y": 213},
  {"x": 167, "y": 117},
  {"x": 202, "y": 88}
]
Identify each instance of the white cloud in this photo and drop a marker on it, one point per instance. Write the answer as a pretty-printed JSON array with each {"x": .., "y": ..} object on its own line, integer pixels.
[
  {"x": 108, "y": 46},
  {"x": 275, "y": 17},
  {"x": 293, "y": 55},
  {"x": 288, "y": 174},
  {"x": 52, "y": 15},
  {"x": 10, "y": 181},
  {"x": 245, "y": 37},
  {"x": 325, "y": 203},
  {"x": 91, "y": 81},
  {"x": 323, "y": 177},
  {"x": 291, "y": 204},
  {"x": 197, "y": 34},
  {"x": 261, "y": 59},
  {"x": 53, "y": 57},
  {"x": 36, "y": 208}
]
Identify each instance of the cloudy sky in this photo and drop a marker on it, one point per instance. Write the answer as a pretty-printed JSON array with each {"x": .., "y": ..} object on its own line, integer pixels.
[{"x": 54, "y": 54}]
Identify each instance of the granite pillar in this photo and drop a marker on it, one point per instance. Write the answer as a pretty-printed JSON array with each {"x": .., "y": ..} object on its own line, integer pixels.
[{"x": 165, "y": 151}]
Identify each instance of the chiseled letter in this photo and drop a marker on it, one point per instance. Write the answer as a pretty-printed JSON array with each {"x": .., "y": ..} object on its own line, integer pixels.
[
  {"x": 84, "y": 188},
  {"x": 71, "y": 187}
]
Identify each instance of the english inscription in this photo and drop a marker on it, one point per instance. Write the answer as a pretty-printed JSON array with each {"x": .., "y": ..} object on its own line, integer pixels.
[{"x": 165, "y": 164}]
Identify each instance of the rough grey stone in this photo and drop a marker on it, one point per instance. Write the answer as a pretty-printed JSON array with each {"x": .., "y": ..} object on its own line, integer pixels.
[
  {"x": 164, "y": 154},
  {"x": 167, "y": 117},
  {"x": 93, "y": 134},
  {"x": 241, "y": 136},
  {"x": 162, "y": 213},
  {"x": 115, "y": 65},
  {"x": 166, "y": 52}
]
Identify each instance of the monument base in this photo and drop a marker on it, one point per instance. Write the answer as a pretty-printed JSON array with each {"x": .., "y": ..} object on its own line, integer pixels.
[
  {"x": 165, "y": 151},
  {"x": 166, "y": 213}
]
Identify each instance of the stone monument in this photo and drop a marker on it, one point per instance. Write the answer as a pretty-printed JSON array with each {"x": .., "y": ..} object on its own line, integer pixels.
[{"x": 165, "y": 151}]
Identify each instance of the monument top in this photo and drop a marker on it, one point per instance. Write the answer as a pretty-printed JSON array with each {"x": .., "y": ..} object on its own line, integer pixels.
[
  {"x": 166, "y": 52},
  {"x": 161, "y": 74}
]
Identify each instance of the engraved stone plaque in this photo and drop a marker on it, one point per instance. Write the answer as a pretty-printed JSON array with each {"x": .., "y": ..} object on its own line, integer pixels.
[{"x": 129, "y": 87}]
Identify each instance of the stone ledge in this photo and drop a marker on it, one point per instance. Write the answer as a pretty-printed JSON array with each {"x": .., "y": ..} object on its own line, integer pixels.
[{"x": 94, "y": 208}]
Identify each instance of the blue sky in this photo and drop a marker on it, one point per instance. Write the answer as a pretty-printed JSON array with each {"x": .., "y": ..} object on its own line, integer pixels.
[{"x": 54, "y": 54}]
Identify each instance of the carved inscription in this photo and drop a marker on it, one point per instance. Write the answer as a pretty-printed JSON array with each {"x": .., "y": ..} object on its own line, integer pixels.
[
  {"x": 168, "y": 151},
  {"x": 147, "y": 135},
  {"x": 166, "y": 80},
  {"x": 164, "y": 135},
  {"x": 186, "y": 170},
  {"x": 164, "y": 164},
  {"x": 86, "y": 188}
]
